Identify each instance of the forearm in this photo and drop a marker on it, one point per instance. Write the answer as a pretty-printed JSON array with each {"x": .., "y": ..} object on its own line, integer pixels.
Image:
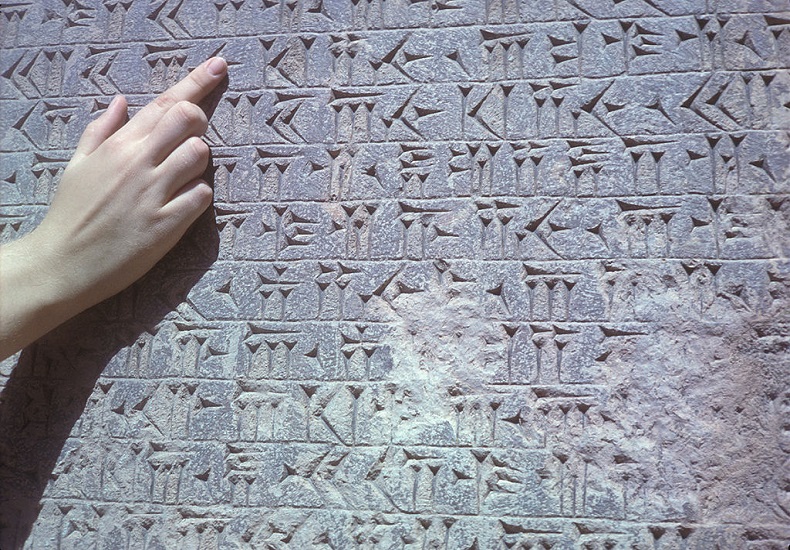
[
  {"x": 129, "y": 193},
  {"x": 29, "y": 302}
]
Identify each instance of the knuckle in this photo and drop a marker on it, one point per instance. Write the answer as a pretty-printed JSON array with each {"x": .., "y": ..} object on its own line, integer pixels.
[
  {"x": 164, "y": 101},
  {"x": 197, "y": 79},
  {"x": 191, "y": 114},
  {"x": 198, "y": 150},
  {"x": 181, "y": 111},
  {"x": 205, "y": 192},
  {"x": 203, "y": 125}
]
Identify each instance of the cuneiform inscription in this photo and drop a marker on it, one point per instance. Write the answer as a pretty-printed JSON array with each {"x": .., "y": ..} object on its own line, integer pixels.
[{"x": 478, "y": 274}]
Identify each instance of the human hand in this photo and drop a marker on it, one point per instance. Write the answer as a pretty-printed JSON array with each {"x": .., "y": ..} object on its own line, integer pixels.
[{"x": 128, "y": 195}]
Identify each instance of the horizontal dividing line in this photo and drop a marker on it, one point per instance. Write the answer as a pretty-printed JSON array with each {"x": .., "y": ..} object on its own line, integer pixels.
[
  {"x": 376, "y": 200},
  {"x": 460, "y": 198},
  {"x": 615, "y": 137},
  {"x": 360, "y": 30},
  {"x": 460, "y": 140},
  {"x": 538, "y": 139},
  {"x": 226, "y": 320},
  {"x": 503, "y": 260},
  {"x": 443, "y": 141},
  {"x": 609, "y": 324},
  {"x": 381, "y": 260},
  {"x": 6, "y": 209},
  {"x": 621, "y": 75},
  {"x": 516, "y": 261},
  {"x": 377, "y": 511},
  {"x": 222, "y": 509},
  {"x": 536, "y": 450},
  {"x": 581, "y": 78},
  {"x": 219, "y": 323},
  {"x": 494, "y": 389},
  {"x": 494, "y": 197},
  {"x": 511, "y": 320},
  {"x": 609, "y": 138},
  {"x": 387, "y": 323}
]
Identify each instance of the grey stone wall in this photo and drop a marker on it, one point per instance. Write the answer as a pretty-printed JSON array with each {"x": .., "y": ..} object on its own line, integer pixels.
[{"x": 479, "y": 274}]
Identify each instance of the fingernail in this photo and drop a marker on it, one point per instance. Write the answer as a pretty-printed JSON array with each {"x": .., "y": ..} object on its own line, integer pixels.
[
  {"x": 216, "y": 66},
  {"x": 113, "y": 102}
]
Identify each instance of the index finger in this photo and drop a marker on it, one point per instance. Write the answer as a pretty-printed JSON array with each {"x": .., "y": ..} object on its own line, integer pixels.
[{"x": 194, "y": 87}]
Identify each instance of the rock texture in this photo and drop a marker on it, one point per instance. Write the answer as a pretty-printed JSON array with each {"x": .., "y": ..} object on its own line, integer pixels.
[{"x": 480, "y": 274}]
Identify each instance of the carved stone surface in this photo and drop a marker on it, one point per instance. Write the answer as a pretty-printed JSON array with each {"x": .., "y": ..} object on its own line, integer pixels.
[{"x": 480, "y": 274}]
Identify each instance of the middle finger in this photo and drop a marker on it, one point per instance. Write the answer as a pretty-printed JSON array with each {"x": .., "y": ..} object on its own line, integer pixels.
[{"x": 182, "y": 121}]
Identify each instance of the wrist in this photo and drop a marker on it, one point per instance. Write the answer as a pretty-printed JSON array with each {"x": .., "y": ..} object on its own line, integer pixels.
[{"x": 31, "y": 303}]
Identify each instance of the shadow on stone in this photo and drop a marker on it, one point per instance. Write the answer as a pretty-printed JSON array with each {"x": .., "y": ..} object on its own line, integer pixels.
[{"x": 50, "y": 387}]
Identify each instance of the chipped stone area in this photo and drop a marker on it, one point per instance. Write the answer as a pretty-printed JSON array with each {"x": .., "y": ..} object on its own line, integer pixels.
[{"x": 478, "y": 275}]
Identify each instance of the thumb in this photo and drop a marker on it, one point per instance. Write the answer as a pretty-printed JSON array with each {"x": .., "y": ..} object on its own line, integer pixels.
[{"x": 103, "y": 127}]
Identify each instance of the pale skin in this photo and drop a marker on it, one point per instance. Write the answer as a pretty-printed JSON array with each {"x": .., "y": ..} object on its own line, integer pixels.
[{"x": 129, "y": 193}]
